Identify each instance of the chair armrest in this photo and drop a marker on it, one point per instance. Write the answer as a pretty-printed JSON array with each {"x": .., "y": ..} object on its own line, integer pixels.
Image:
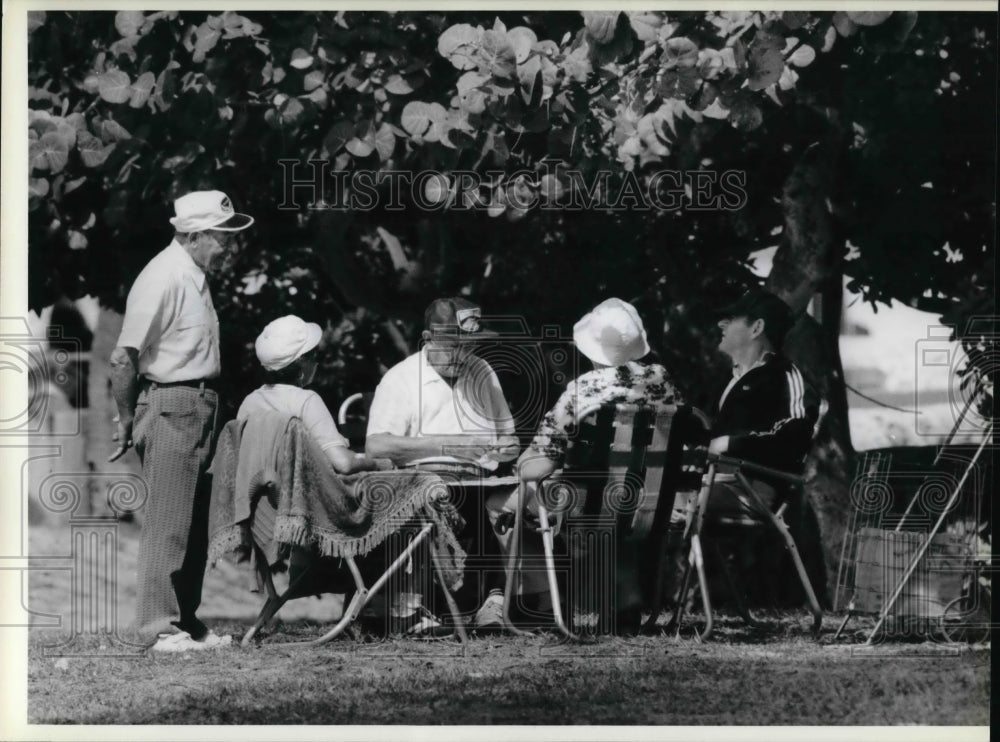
[{"x": 749, "y": 466}]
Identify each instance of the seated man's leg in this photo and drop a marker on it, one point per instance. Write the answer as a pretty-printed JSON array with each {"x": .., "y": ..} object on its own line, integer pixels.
[{"x": 727, "y": 499}]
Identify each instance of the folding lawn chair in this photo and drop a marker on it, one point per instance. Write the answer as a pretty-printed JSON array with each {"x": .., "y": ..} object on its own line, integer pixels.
[
  {"x": 249, "y": 516},
  {"x": 617, "y": 487},
  {"x": 704, "y": 528},
  {"x": 910, "y": 574}
]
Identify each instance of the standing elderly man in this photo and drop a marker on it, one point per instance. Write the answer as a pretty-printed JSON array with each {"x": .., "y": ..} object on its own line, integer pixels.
[
  {"x": 163, "y": 373},
  {"x": 442, "y": 400}
]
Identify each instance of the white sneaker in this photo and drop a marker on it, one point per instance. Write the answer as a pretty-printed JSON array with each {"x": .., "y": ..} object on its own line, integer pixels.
[
  {"x": 490, "y": 613},
  {"x": 182, "y": 642}
]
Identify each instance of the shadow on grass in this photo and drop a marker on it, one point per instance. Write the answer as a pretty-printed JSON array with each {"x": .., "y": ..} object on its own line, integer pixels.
[{"x": 777, "y": 675}]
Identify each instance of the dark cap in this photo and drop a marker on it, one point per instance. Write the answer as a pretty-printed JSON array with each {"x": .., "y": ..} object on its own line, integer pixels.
[
  {"x": 457, "y": 318},
  {"x": 760, "y": 304}
]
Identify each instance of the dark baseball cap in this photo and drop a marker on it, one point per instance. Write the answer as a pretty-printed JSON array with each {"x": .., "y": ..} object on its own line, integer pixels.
[
  {"x": 456, "y": 318},
  {"x": 760, "y": 304}
]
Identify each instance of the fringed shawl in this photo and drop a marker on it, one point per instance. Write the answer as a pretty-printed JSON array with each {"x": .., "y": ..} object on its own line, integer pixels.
[{"x": 272, "y": 455}]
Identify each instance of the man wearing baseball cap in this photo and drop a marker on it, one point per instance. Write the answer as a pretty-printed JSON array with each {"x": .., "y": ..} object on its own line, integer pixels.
[
  {"x": 766, "y": 412},
  {"x": 443, "y": 400},
  {"x": 163, "y": 374}
]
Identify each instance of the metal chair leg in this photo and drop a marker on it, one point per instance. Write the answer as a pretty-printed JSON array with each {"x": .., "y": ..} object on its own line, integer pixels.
[
  {"x": 449, "y": 598},
  {"x": 699, "y": 563},
  {"x": 843, "y": 624},
  {"x": 514, "y": 561},
  {"x": 550, "y": 570},
  {"x": 274, "y": 601},
  {"x": 778, "y": 522},
  {"x": 696, "y": 563},
  {"x": 364, "y": 594}
]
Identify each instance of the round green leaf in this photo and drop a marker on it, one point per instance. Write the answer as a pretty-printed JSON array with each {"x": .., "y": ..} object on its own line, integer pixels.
[
  {"x": 112, "y": 131},
  {"x": 114, "y": 86},
  {"x": 522, "y": 39},
  {"x": 803, "y": 56},
  {"x": 869, "y": 18},
  {"x": 141, "y": 89},
  {"x": 600, "y": 25},
  {"x": 417, "y": 117},
  {"x": 397, "y": 85},
  {"x": 301, "y": 59},
  {"x": 645, "y": 25},
  {"x": 50, "y": 153},
  {"x": 92, "y": 151},
  {"x": 680, "y": 52},
  {"x": 458, "y": 44},
  {"x": 312, "y": 80},
  {"x": 361, "y": 147},
  {"x": 291, "y": 111},
  {"x": 77, "y": 240},
  {"x": 436, "y": 189},
  {"x": 340, "y": 133},
  {"x": 206, "y": 37},
  {"x": 795, "y": 18},
  {"x": 844, "y": 25},
  {"x": 128, "y": 22},
  {"x": 498, "y": 53},
  {"x": 385, "y": 142},
  {"x": 766, "y": 66},
  {"x": 38, "y": 187}
]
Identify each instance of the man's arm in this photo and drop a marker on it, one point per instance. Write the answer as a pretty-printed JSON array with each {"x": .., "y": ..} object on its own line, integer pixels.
[
  {"x": 790, "y": 437},
  {"x": 402, "y": 449},
  {"x": 125, "y": 387}
]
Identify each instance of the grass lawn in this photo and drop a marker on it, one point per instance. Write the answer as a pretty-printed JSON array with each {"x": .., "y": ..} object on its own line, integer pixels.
[{"x": 777, "y": 675}]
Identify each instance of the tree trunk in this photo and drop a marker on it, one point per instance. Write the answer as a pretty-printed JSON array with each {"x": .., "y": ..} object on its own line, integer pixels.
[{"x": 807, "y": 263}]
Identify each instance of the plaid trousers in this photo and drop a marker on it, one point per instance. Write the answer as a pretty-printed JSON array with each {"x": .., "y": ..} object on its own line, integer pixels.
[{"x": 174, "y": 433}]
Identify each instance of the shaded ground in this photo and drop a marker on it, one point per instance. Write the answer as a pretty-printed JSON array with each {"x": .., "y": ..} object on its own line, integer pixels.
[{"x": 778, "y": 675}]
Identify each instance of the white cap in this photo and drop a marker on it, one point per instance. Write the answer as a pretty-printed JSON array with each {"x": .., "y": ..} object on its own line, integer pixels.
[
  {"x": 203, "y": 210},
  {"x": 285, "y": 340},
  {"x": 611, "y": 334}
]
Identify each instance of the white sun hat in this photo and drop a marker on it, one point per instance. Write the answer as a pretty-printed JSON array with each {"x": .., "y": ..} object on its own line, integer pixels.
[
  {"x": 285, "y": 340},
  {"x": 611, "y": 334},
  {"x": 201, "y": 210}
]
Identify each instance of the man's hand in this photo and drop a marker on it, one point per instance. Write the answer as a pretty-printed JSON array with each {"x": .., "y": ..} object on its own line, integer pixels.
[
  {"x": 123, "y": 435},
  {"x": 719, "y": 445}
]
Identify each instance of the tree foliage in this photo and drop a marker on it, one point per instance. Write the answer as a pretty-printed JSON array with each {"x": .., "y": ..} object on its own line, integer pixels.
[{"x": 130, "y": 109}]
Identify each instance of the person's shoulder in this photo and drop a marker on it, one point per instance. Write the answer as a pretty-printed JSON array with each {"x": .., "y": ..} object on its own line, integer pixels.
[
  {"x": 781, "y": 363},
  {"x": 162, "y": 268},
  {"x": 406, "y": 369},
  {"x": 478, "y": 364},
  {"x": 594, "y": 375}
]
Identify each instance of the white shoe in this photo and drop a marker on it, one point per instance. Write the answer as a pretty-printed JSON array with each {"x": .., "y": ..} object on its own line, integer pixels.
[
  {"x": 182, "y": 642},
  {"x": 490, "y": 613}
]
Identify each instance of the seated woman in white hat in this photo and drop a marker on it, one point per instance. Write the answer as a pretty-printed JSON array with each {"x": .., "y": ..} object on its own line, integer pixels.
[
  {"x": 613, "y": 338},
  {"x": 287, "y": 351}
]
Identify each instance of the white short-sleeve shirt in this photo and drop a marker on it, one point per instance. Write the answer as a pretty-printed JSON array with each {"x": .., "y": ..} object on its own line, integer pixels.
[
  {"x": 302, "y": 403},
  {"x": 170, "y": 320},
  {"x": 413, "y": 400}
]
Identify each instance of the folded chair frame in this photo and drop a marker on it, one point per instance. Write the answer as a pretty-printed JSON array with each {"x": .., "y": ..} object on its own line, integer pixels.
[{"x": 363, "y": 594}]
